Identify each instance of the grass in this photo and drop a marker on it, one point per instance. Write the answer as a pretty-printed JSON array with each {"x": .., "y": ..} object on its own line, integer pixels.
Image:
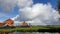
[{"x": 31, "y": 29}]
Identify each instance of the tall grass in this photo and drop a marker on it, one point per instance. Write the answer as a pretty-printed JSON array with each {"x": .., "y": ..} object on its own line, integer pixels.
[{"x": 32, "y": 29}]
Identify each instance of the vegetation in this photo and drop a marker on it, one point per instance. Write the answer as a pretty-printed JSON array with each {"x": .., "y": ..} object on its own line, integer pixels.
[{"x": 32, "y": 29}]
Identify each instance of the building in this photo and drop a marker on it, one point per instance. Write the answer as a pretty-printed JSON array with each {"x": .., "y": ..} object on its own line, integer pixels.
[
  {"x": 8, "y": 22},
  {"x": 1, "y": 24},
  {"x": 24, "y": 24}
]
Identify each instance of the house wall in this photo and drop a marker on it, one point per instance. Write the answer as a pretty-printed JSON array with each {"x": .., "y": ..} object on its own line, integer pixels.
[{"x": 1, "y": 24}]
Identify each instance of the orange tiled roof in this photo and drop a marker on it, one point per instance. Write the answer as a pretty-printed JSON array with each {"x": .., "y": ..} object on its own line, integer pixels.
[
  {"x": 24, "y": 24},
  {"x": 8, "y": 22}
]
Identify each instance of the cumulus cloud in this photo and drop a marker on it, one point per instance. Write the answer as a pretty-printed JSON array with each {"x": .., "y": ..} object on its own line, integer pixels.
[
  {"x": 24, "y": 3},
  {"x": 7, "y": 5},
  {"x": 39, "y": 13}
]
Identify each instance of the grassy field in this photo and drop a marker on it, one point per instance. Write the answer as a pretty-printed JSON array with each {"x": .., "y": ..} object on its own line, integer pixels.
[{"x": 32, "y": 29}]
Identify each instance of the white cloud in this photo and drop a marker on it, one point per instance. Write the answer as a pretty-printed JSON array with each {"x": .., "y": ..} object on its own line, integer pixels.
[
  {"x": 17, "y": 23},
  {"x": 7, "y": 5},
  {"x": 42, "y": 14},
  {"x": 2, "y": 15},
  {"x": 24, "y": 3},
  {"x": 39, "y": 13}
]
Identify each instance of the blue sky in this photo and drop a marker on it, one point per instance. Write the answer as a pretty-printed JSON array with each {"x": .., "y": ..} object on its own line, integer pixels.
[
  {"x": 53, "y": 2},
  {"x": 15, "y": 11}
]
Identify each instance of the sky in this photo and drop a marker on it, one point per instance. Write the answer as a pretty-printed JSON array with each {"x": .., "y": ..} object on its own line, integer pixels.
[
  {"x": 17, "y": 9},
  {"x": 53, "y": 2}
]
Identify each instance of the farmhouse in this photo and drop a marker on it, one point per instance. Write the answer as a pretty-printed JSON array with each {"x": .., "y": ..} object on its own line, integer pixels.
[
  {"x": 8, "y": 22},
  {"x": 24, "y": 24}
]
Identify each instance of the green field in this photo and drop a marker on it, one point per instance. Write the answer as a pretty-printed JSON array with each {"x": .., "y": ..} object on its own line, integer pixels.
[{"x": 31, "y": 29}]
